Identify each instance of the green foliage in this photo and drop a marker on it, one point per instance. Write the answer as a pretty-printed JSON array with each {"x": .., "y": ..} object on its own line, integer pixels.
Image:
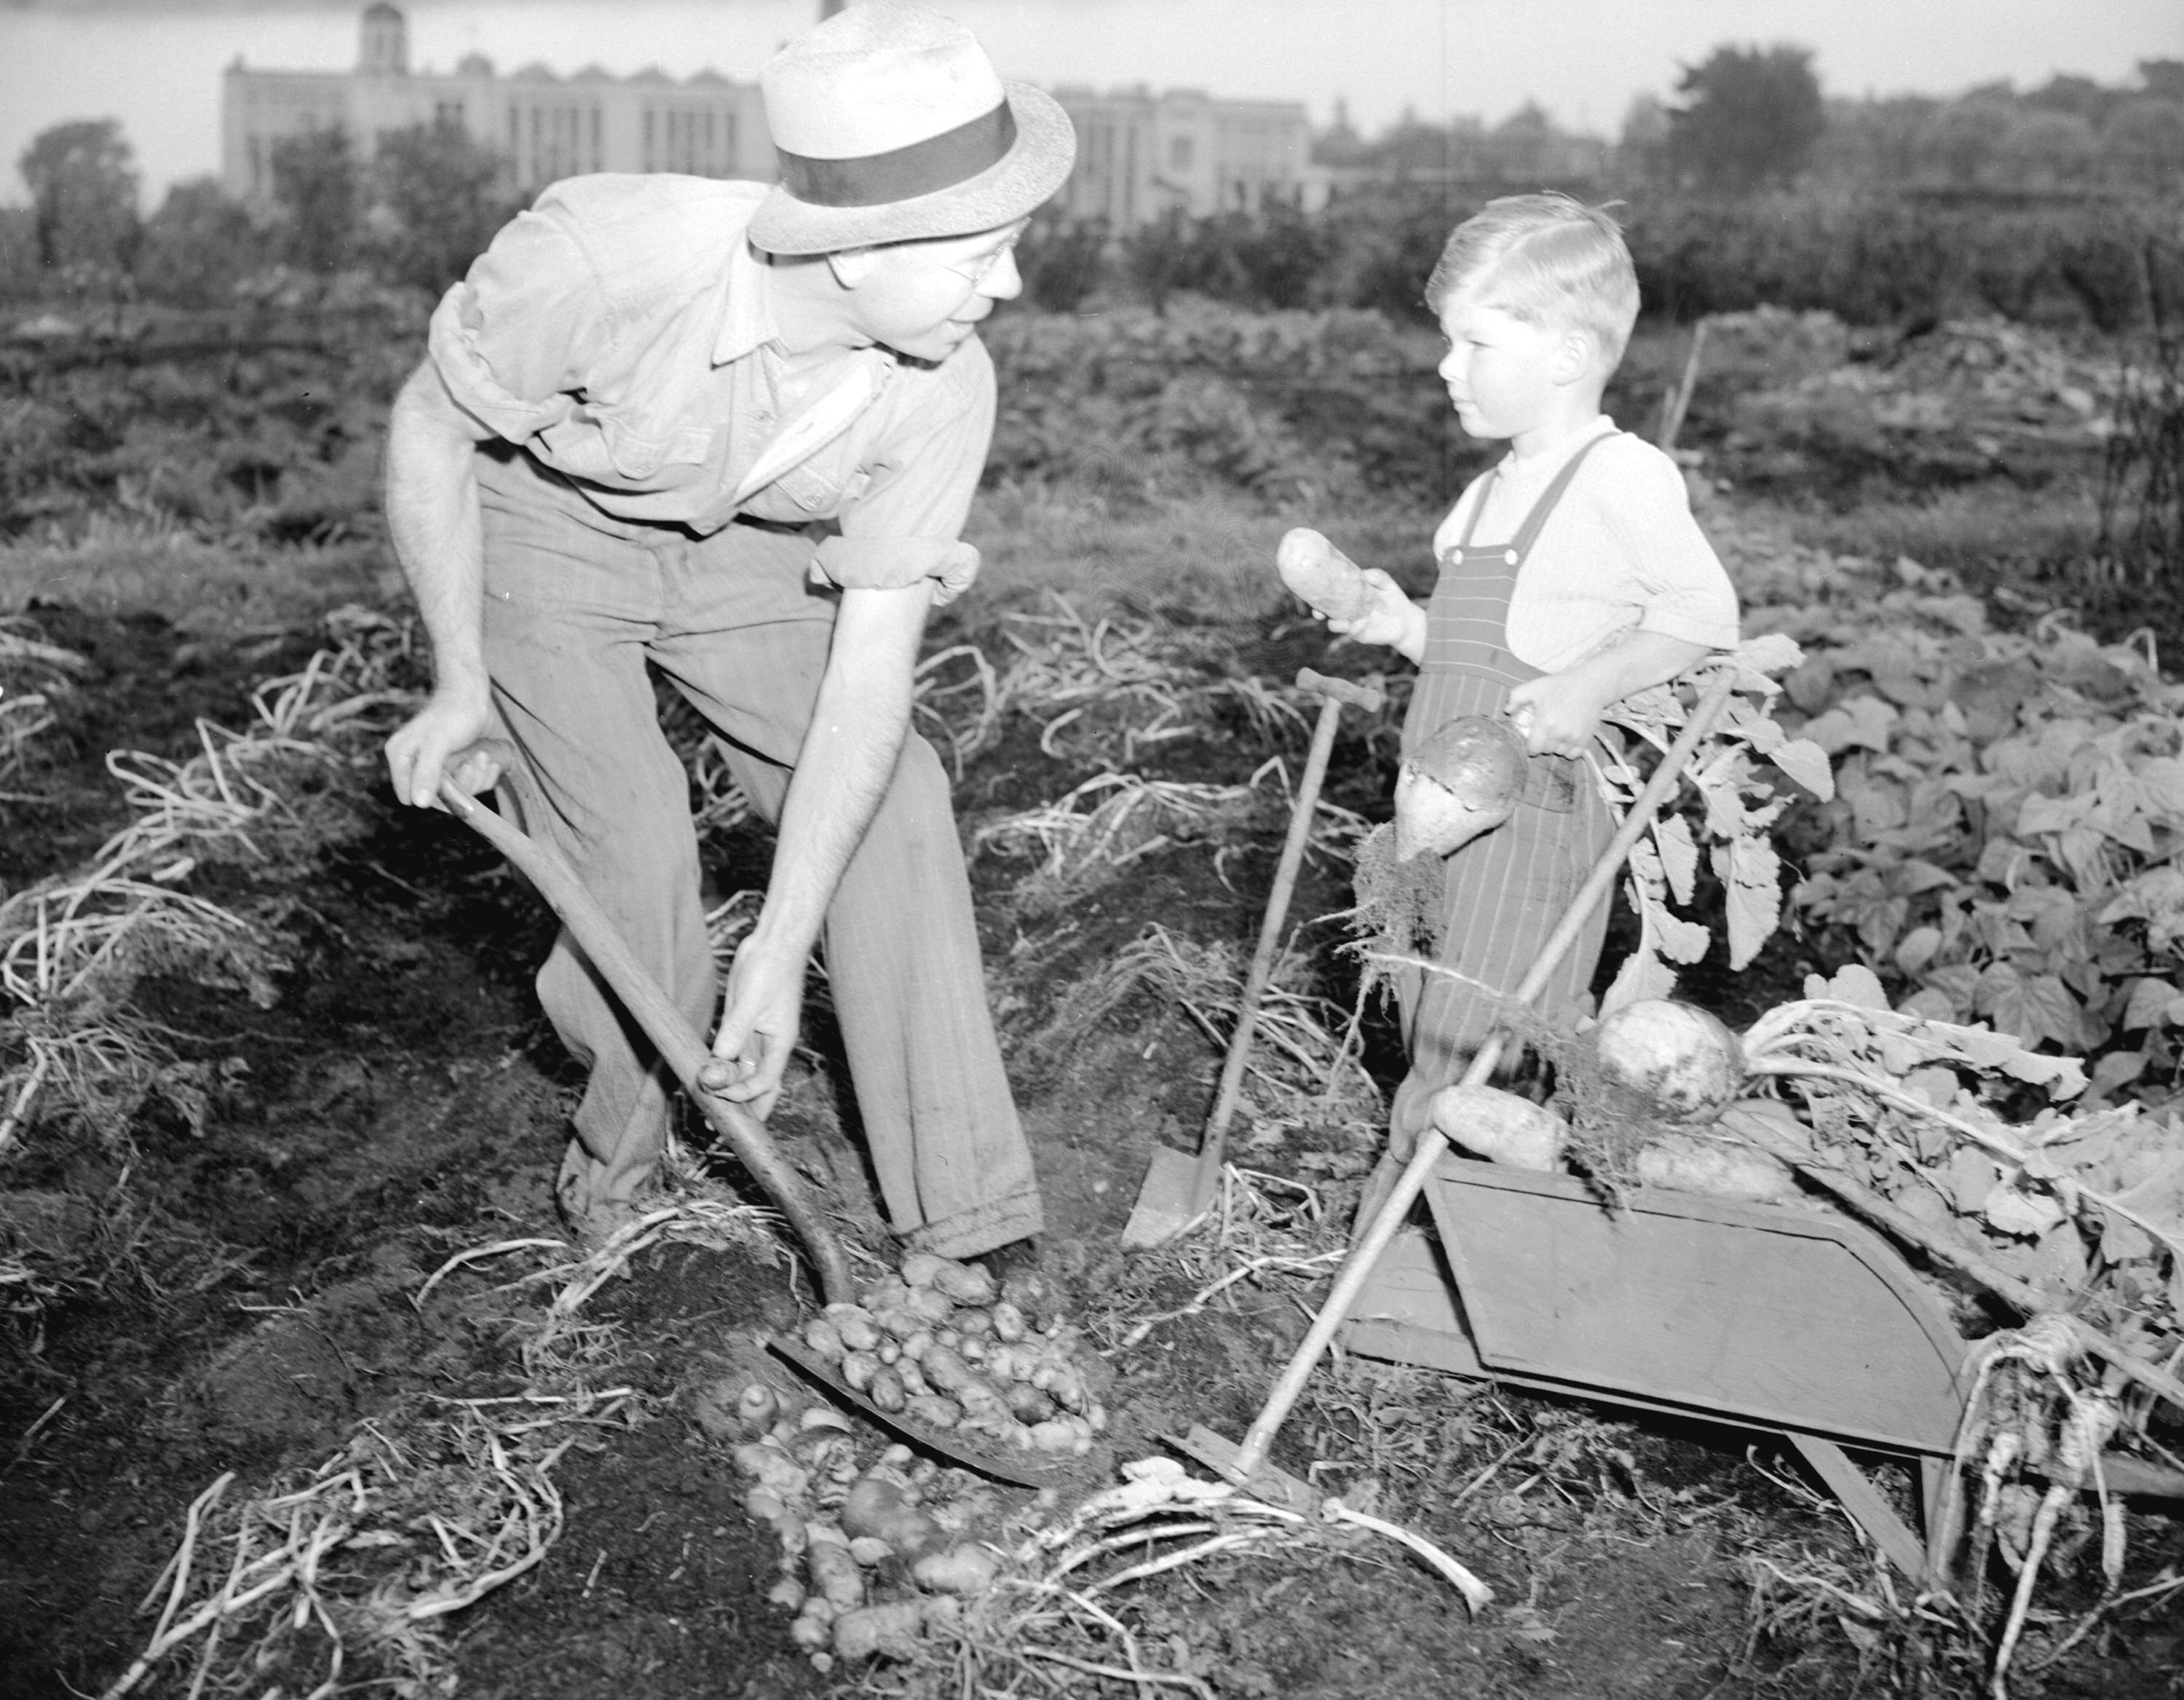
[
  {"x": 2008, "y": 805},
  {"x": 271, "y": 435},
  {"x": 1732, "y": 800},
  {"x": 1879, "y": 257},
  {"x": 1751, "y": 116},
  {"x": 320, "y": 194},
  {"x": 83, "y": 187},
  {"x": 197, "y": 247},
  {"x": 1061, "y": 261},
  {"x": 21, "y": 274},
  {"x": 1282, "y": 404},
  {"x": 437, "y": 187},
  {"x": 2142, "y": 477}
]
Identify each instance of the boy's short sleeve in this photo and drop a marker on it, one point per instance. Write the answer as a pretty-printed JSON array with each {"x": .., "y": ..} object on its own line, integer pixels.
[
  {"x": 1681, "y": 587},
  {"x": 906, "y": 523},
  {"x": 513, "y": 339}
]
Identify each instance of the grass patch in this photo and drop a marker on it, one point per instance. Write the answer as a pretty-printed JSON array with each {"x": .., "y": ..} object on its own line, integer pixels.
[
  {"x": 125, "y": 567},
  {"x": 1211, "y": 558}
]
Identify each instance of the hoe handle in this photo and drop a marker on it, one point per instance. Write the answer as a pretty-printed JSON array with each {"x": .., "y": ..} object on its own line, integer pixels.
[
  {"x": 681, "y": 1049},
  {"x": 1365, "y": 1256},
  {"x": 1212, "y": 1146}
]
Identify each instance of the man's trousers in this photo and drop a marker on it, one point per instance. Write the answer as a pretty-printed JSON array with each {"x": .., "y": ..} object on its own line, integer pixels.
[{"x": 580, "y": 608}]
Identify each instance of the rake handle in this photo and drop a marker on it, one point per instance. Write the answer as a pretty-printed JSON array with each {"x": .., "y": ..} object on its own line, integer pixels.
[
  {"x": 680, "y": 1049},
  {"x": 1366, "y": 1254},
  {"x": 1213, "y": 1144}
]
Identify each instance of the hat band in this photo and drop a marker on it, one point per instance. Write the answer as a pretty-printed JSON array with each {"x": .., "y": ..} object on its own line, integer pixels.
[{"x": 903, "y": 174}]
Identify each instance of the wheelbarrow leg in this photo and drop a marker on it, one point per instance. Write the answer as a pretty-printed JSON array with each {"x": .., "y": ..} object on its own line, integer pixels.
[{"x": 1849, "y": 1483}]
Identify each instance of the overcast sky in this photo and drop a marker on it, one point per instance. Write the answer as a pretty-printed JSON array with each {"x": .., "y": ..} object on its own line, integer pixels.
[{"x": 156, "y": 67}]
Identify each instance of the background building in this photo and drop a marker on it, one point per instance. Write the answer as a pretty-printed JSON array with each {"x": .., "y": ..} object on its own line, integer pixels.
[
  {"x": 1140, "y": 155},
  {"x": 544, "y": 125}
]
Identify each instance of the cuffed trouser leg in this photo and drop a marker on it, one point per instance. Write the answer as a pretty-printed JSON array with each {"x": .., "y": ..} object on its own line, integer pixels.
[{"x": 1505, "y": 892}]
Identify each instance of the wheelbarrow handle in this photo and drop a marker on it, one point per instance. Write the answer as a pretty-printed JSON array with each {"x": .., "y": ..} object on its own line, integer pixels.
[{"x": 681, "y": 1049}]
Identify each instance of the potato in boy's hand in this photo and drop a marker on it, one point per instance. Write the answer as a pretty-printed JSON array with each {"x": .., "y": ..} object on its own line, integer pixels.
[{"x": 1317, "y": 573}]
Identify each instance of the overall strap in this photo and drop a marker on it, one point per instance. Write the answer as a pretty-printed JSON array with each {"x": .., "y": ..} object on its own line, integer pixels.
[
  {"x": 1528, "y": 533},
  {"x": 1482, "y": 484}
]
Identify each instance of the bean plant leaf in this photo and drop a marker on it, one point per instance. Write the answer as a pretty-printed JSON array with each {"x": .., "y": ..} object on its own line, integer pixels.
[
  {"x": 1679, "y": 856},
  {"x": 1807, "y": 763},
  {"x": 2149, "y": 1005},
  {"x": 2036, "y": 1007},
  {"x": 1643, "y": 975},
  {"x": 1750, "y": 874}
]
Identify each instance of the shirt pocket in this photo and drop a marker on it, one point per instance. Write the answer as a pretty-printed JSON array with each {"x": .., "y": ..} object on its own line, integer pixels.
[
  {"x": 820, "y": 487},
  {"x": 618, "y": 447}
]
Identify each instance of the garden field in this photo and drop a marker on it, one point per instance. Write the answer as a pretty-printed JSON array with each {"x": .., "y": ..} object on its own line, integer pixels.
[{"x": 304, "y": 1393}]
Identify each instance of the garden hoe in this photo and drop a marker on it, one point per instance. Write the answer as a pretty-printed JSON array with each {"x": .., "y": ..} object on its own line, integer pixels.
[
  {"x": 1387, "y": 1199},
  {"x": 681, "y": 1049},
  {"x": 1179, "y": 1190}
]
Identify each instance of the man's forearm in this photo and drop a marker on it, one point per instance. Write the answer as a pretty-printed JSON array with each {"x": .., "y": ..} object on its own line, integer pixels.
[
  {"x": 847, "y": 760},
  {"x": 432, "y": 518}
]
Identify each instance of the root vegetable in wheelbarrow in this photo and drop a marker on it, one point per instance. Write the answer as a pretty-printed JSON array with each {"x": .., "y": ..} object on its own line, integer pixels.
[
  {"x": 1682, "y": 1062},
  {"x": 1461, "y": 781},
  {"x": 1499, "y": 1126},
  {"x": 1317, "y": 573}
]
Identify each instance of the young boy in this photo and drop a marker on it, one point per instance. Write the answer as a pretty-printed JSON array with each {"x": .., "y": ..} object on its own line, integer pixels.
[{"x": 1572, "y": 574}]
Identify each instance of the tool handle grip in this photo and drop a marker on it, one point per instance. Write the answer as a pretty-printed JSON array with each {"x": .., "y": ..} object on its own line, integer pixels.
[{"x": 1367, "y": 697}]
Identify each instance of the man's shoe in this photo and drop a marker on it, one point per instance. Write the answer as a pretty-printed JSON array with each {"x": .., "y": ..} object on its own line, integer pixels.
[{"x": 1019, "y": 1270}]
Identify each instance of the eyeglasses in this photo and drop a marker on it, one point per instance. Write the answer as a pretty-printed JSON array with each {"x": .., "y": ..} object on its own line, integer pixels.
[{"x": 978, "y": 271}]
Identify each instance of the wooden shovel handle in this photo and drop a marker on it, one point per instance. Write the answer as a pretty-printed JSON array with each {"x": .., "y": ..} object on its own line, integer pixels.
[
  {"x": 681, "y": 1049},
  {"x": 1366, "y": 1254}
]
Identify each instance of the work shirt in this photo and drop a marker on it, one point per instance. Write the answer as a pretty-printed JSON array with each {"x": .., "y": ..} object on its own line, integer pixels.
[
  {"x": 619, "y": 333},
  {"x": 1619, "y": 553}
]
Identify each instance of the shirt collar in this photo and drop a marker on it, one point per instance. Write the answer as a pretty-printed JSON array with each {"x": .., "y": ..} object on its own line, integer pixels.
[{"x": 746, "y": 320}]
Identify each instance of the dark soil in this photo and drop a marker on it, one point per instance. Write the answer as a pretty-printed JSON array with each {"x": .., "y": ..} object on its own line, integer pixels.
[{"x": 404, "y": 1101}]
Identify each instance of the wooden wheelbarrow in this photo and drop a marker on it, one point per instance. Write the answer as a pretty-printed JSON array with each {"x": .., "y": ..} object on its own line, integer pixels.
[{"x": 1800, "y": 1323}]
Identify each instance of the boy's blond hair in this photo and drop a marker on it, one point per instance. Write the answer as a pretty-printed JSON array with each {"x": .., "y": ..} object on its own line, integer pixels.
[{"x": 1547, "y": 259}]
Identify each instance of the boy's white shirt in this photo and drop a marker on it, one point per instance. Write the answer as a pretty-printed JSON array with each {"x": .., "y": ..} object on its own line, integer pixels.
[{"x": 1621, "y": 552}]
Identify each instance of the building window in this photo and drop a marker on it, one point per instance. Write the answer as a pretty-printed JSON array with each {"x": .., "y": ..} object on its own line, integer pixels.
[{"x": 1179, "y": 153}]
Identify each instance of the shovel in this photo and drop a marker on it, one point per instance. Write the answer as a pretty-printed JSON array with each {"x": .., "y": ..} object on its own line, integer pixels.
[
  {"x": 1177, "y": 1190},
  {"x": 1395, "y": 1197},
  {"x": 681, "y": 1049}
]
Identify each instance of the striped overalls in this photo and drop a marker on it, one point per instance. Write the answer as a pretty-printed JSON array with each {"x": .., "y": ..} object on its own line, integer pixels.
[{"x": 1505, "y": 890}]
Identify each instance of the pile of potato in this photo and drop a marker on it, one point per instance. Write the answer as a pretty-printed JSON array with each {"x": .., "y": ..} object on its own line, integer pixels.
[
  {"x": 875, "y": 1556},
  {"x": 852, "y": 1535},
  {"x": 938, "y": 1344}
]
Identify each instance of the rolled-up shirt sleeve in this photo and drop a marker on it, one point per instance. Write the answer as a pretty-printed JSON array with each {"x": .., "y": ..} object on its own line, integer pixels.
[
  {"x": 906, "y": 523},
  {"x": 512, "y": 341}
]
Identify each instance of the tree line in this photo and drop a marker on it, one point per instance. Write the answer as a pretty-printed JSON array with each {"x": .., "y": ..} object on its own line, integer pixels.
[
  {"x": 1752, "y": 186},
  {"x": 414, "y": 215}
]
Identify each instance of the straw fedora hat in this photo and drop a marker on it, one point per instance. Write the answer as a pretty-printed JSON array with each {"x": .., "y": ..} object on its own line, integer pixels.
[{"x": 892, "y": 125}]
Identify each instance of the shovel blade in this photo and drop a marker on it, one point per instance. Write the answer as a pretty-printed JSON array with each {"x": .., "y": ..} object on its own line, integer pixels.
[{"x": 1173, "y": 1199}]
